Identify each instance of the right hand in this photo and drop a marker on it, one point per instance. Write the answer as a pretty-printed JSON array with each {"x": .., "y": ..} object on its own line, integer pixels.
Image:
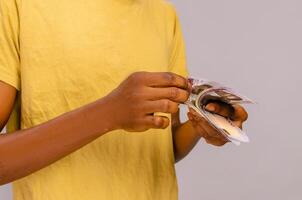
[{"x": 137, "y": 98}]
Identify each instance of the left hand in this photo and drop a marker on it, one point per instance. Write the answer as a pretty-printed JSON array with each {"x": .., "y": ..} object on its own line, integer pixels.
[{"x": 236, "y": 113}]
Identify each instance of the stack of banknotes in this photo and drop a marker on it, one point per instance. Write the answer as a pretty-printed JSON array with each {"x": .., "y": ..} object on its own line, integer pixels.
[{"x": 203, "y": 92}]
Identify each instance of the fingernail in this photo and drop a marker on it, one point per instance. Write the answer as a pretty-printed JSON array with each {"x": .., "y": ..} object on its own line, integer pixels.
[{"x": 210, "y": 107}]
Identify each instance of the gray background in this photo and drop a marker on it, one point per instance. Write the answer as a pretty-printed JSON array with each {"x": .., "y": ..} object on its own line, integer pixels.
[{"x": 255, "y": 47}]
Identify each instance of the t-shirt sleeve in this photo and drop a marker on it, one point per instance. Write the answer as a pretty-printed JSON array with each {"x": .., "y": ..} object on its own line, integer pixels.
[
  {"x": 177, "y": 62},
  {"x": 9, "y": 43}
]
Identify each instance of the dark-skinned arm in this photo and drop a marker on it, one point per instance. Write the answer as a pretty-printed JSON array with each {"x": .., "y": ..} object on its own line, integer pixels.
[
  {"x": 185, "y": 137},
  {"x": 26, "y": 151},
  {"x": 127, "y": 107}
]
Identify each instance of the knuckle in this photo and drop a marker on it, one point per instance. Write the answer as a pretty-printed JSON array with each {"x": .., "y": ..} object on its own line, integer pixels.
[
  {"x": 185, "y": 96},
  {"x": 132, "y": 77},
  {"x": 174, "y": 93},
  {"x": 169, "y": 107},
  {"x": 186, "y": 83},
  {"x": 136, "y": 76},
  {"x": 170, "y": 78},
  {"x": 166, "y": 105},
  {"x": 183, "y": 82}
]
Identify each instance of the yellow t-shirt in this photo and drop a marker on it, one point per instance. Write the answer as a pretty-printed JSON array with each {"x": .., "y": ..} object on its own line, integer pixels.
[{"x": 61, "y": 55}]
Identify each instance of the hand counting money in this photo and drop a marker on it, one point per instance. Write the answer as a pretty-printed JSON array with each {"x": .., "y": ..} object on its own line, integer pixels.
[{"x": 204, "y": 91}]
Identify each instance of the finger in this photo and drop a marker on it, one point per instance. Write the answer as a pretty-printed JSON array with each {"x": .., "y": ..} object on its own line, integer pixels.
[
  {"x": 165, "y": 79},
  {"x": 220, "y": 108},
  {"x": 158, "y": 122},
  {"x": 190, "y": 116},
  {"x": 205, "y": 125},
  {"x": 190, "y": 86},
  {"x": 238, "y": 124},
  {"x": 163, "y": 105},
  {"x": 240, "y": 114},
  {"x": 213, "y": 133},
  {"x": 173, "y": 93},
  {"x": 215, "y": 141},
  {"x": 200, "y": 130},
  {"x": 210, "y": 130},
  {"x": 193, "y": 111},
  {"x": 210, "y": 134}
]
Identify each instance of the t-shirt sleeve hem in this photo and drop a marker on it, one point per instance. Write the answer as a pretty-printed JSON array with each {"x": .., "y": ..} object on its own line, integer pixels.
[{"x": 9, "y": 80}]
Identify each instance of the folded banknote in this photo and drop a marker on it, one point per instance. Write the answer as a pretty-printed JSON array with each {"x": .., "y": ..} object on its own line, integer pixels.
[{"x": 203, "y": 92}]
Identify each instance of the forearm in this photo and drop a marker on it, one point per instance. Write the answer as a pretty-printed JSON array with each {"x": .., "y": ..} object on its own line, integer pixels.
[
  {"x": 26, "y": 151},
  {"x": 184, "y": 140}
]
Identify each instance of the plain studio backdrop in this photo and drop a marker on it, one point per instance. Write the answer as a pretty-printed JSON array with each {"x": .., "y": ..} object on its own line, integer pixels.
[{"x": 255, "y": 47}]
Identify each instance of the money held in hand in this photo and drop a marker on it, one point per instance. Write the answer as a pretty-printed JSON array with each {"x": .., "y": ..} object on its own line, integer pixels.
[{"x": 204, "y": 91}]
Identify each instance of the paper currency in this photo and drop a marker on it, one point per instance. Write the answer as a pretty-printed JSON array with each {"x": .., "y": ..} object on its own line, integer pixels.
[{"x": 204, "y": 91}]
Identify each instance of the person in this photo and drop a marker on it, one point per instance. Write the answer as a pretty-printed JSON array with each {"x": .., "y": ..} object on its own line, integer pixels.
[{"x": 90, "y": 94}]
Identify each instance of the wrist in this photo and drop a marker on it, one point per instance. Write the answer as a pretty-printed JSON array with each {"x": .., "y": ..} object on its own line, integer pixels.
[
  {"x": 107, "y": 112},
  {"x": 98, "y": 117}
]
